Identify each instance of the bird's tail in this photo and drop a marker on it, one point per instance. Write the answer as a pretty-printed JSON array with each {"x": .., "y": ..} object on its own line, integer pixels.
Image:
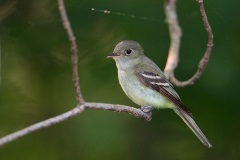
[{"x": 193, "y": 126}]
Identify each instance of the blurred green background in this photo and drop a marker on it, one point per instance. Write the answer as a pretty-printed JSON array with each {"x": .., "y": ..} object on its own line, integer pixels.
[{"x": 36, "y": 81}]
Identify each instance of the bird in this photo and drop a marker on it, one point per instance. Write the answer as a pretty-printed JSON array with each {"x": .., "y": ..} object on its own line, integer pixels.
[{"x": 147, "y": 86}]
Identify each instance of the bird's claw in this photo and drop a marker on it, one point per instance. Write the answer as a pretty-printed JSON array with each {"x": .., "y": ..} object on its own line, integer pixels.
[{"x": 147, "y": 109}]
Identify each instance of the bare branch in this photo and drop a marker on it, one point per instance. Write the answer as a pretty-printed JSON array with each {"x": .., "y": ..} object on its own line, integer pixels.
[
  {"x": 175, "y": 36},
  {"x": 138, "y": 113},
  {"x": 175, "y": 33},
  {"x": 172, "y": 61},
  {"x": 77, "y": 110},
  {"x": 44, "y": 124},
  {"x": 74, "y": 48}
]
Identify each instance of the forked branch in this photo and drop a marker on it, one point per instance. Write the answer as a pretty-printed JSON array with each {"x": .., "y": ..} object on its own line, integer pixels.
[
  {"x": 175, "y": 36},
  {"x": 81, "y": 104},
  {"x": 75, "y": 111},
  {"x": 74, "y": 49}
]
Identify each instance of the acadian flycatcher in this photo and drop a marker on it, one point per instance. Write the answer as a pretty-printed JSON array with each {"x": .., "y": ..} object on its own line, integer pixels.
[{"x": 146, "y": 85}]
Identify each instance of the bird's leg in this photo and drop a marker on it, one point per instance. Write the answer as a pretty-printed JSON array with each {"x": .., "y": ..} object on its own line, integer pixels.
[{"x": 147, "y": 109}]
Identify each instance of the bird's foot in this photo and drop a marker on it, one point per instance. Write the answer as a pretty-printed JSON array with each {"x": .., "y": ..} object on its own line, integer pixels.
[{"x": 147, "y": 109}]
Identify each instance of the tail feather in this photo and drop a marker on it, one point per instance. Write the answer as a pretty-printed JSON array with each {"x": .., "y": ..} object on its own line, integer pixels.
[{"x": 193, "y": 126}]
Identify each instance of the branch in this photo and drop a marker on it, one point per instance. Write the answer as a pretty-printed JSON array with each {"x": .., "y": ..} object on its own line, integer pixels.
[
  {"x": 81, "y": 104},
  {"x": 175, "y": 35},
  {"x": 74, "y": 48},
  {"x": 75, "y": 111}
]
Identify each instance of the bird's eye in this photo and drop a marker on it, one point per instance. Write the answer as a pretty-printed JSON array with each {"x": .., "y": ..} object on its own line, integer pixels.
[{"x": 128, "y": 51}]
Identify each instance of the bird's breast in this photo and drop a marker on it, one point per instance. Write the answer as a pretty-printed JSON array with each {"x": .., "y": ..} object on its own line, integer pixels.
[{"x": 138, "y": 92}]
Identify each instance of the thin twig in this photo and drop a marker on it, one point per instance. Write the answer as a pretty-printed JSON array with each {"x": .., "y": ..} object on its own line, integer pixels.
[
  {"x": 175, "y": 33},
  {"x": 99, "y": 106},
  {"x": 172, "y": 61},
  {"x": 82, "y": 105},
  {"x": 74, "y": 48},
  {"x": 75, "y": 111},
  {"x": 138, "y": 113}
]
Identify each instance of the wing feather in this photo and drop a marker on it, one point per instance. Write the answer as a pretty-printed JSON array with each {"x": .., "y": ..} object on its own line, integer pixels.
[{"x": 163, "y": 86}]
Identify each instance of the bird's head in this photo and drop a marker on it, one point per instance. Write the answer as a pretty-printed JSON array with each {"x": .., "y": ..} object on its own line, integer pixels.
[{"x": 127, "y": 50}]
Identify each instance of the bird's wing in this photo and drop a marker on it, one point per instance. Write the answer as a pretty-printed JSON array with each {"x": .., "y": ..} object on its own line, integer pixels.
[{"x": 161, "y": 85}]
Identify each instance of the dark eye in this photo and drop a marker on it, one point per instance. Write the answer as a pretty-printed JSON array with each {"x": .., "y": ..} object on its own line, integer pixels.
[{"x": 128, "y": 51}]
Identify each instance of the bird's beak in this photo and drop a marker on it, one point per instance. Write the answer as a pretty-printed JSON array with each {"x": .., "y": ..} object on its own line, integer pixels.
[{"x": 112, "y": 55}]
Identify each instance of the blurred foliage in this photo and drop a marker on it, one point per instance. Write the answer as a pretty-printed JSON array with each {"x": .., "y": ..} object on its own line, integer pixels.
[{"x": 36, "y": 80}]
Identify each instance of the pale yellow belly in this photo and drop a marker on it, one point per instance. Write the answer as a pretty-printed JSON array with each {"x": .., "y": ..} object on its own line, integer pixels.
[{"x": 140, "y": 94}]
